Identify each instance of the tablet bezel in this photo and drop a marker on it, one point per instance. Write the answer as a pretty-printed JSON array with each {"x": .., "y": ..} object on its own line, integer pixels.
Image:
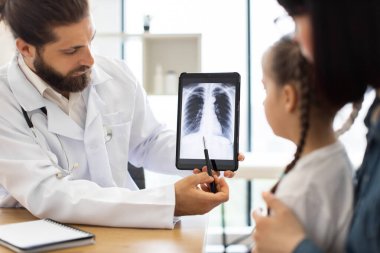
[{"x": 218, "y": 165}]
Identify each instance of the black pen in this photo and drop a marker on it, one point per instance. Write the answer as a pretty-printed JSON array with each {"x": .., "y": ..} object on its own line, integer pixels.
[{"x": 209, "y": 166}]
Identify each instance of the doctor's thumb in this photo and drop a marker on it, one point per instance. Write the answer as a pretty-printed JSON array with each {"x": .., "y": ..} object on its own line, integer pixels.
[{"x": 202, "y": 178}]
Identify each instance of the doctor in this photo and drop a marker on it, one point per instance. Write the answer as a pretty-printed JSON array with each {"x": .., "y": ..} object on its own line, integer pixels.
[{"x": 70, "y": 122}]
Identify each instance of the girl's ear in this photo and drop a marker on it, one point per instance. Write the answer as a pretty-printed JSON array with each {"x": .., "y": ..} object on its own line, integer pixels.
[{"x": 291, "y": 97}]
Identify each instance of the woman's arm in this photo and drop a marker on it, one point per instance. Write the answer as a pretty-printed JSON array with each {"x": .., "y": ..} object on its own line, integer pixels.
[
  {"x": 281, "y": 232},
  {"x": 307, "y": 246}
]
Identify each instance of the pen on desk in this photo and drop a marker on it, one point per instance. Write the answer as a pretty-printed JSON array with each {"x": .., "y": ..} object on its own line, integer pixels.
[{"x": 209, "y": 166}]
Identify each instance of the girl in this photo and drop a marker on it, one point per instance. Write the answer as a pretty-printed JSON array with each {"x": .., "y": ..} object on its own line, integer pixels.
[
  {"x": 341, "y": 39},
  {"x": 317, "y": 184}
]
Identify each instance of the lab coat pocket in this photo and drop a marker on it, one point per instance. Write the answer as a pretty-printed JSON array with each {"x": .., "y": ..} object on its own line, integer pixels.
[
  {"x": 117, "y": 118},
  {"x": 118, "y": 144},
  {"x": 117, "y": 127}
]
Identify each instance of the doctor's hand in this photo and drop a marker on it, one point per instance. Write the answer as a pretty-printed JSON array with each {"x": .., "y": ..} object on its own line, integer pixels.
[
  {"x": 227, "y": 173},
  {"x": 191, "y": 200},
  {"x": 281, "y": 232}
]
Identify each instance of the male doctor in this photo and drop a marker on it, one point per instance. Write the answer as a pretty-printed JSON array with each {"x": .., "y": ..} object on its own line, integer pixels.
[{"x": 70, "y": 122}]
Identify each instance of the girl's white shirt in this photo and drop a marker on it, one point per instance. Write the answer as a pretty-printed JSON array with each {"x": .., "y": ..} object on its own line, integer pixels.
[{"x": 320, "y": 192}]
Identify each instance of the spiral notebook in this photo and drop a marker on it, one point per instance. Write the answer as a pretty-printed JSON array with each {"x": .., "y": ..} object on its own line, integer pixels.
[{"x": 42, "y": 235}]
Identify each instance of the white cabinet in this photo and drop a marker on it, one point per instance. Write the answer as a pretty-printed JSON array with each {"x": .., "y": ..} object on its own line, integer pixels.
[
  {"x": 156, "y": 60},
  {"x": 165, "y": 57}
]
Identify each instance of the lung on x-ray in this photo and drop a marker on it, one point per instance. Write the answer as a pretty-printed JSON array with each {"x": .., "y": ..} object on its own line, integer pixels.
[{"x": 208, "y": 108}]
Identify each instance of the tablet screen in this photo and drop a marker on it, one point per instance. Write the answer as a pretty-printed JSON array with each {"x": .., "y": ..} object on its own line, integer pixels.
[{"x": 208, "y": 108}]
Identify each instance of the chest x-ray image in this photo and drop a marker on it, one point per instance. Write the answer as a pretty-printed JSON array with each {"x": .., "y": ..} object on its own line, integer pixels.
[{"x": 208, "y": 111}]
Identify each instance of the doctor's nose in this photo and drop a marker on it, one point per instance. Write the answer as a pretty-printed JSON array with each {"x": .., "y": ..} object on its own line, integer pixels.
[{"x": 87, "y": 57}]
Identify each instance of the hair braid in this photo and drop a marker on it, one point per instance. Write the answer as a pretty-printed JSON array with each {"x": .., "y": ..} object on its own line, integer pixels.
[
  {"x": 356, "y": 106},
  {"x": 305, "y": 101},
  {"x": 298, "y": 71}
]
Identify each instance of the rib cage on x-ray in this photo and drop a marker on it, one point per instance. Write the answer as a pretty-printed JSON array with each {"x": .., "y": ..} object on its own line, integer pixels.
[
  {"x": 217, "y": 98},
  {"x": 223, "y": 111},
  {"x": 193, "y": 110}
]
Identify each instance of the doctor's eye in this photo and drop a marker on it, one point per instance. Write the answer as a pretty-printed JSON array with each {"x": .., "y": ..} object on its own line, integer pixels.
[{"x": 70, "y": 51}]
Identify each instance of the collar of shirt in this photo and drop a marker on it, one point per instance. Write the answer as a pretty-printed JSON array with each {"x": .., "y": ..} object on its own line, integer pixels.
[{"x": 69, "y": 106}]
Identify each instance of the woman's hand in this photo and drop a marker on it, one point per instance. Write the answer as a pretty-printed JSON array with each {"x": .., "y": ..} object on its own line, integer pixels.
[{"x": 280, "y": 232}]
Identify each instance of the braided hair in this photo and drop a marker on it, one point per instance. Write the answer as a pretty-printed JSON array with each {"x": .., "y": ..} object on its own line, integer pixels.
[
  {"x": 356, "y": 106},
  {"x": 288, "y": 65}
]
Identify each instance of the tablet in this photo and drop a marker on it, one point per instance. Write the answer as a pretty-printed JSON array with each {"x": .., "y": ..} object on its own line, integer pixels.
[{"x": 208, "y": 107}]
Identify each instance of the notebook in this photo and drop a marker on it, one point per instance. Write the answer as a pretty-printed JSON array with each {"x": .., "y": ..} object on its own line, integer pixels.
[{"x": 42, "y": 235}]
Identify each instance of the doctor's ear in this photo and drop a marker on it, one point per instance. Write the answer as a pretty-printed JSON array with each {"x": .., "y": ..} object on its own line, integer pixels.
[{"x": 26, "y": 50}]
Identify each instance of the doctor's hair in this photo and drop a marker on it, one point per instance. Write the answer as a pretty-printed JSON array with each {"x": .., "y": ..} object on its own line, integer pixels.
[
  {"x": 287, "y": 65},
  {"x": 33, "y": 20},
  {"x": 346, "y": 45}
]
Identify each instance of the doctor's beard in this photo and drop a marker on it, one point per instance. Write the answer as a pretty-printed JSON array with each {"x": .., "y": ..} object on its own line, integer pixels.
[{"x": 59, "y": 82}]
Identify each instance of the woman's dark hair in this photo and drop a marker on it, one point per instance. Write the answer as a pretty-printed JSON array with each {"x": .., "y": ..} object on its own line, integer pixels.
[
  {"x": 287, "y": 65},
  {"x": 34, "y": 20},
  {"x": 294, "y": 7},
  {"x": 346, "y": 39}
]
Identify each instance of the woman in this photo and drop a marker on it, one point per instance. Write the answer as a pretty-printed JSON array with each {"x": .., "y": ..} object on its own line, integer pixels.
[{"x": 342, "y": 40}]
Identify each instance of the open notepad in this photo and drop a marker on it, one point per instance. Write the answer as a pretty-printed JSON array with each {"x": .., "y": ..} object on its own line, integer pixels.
[{"x": 42, "y": 235}]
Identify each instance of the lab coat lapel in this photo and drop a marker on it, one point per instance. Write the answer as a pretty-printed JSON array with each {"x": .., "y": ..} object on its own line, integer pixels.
[
  {"x": 60, "y": 123},
  {"x": 95, "y": 104},
  {"x": 98, "y": 160},
  {"x": 26, "y": 95},
  {"x": 30, "y": 99}
]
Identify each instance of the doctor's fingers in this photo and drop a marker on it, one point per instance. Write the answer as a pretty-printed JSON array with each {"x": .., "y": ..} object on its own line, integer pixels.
[
  {"x": 222, "y": 193},
  {"x": 204, "y": 187},
  {"x": 222, "y": 186},
  {"x": 192, "y": 201},
  {"x": 241, "y": 157},
  {"x": 220, "y": 196},
  {"x": 204, "y": 169},
  {"x": 200, "y": 178}
]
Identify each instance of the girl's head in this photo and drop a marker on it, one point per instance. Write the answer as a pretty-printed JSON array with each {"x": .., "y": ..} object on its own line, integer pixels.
[
  {"x": 293, "y": 109},
  {"x": 342, "y": 39},
  {"x": 287, "y": 79}
]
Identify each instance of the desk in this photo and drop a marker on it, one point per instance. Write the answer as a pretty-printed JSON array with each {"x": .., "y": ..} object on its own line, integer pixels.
[{"x": 188, "y": 236}]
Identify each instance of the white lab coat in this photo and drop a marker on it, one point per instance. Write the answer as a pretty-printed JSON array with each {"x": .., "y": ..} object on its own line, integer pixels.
[{"x": 100, "y": 190}]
